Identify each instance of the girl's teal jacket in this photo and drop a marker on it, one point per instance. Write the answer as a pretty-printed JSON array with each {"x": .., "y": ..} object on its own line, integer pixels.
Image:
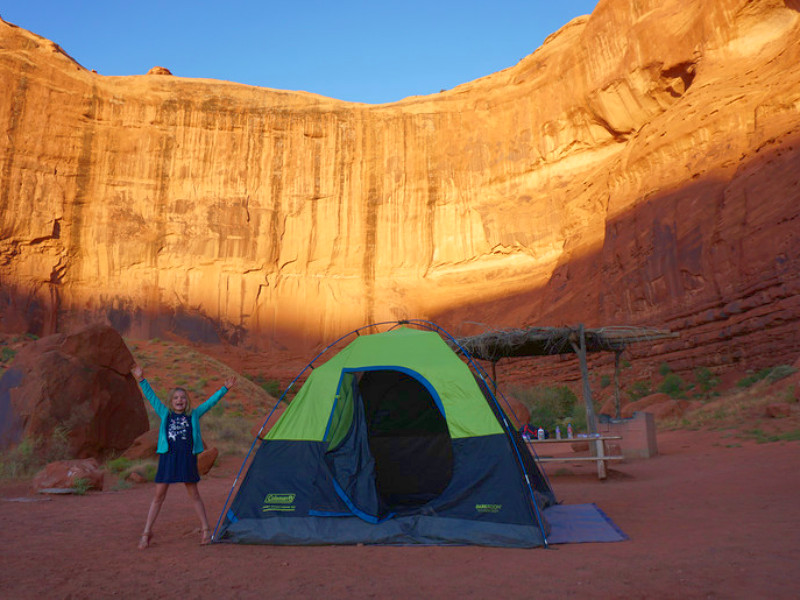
[{"x": 163, "y": 412}]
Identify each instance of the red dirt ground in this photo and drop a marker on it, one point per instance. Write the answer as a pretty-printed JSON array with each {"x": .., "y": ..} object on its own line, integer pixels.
[{"x": 705, "y": 520}]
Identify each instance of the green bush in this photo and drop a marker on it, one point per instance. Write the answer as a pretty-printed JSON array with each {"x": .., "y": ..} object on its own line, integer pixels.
[
  {"x": 771, "y": 374},
  {"x": 664, "y": 369},
  {"x": 780, "y": 372},
  {"x": 6, "y": 354},
  {"x": 639, "y": 389},
  {"x": 20, "y": 461},
  {"x": 271, "y": 386},
  {"x": 31, "y": 454},
  {"x": 706, "y": 381},
  {"x": 551, "y": 406},
  {"x": 81, "y": 485},
  {"x": 578, "y": 417},
  {"x": 673, "y": 385},
  {"x": 119, "y": 464},
  {"x": 605, "y": 381}
]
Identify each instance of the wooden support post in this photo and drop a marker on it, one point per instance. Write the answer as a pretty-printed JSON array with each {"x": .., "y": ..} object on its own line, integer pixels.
[
  {"x": 617, "y": 407},
  {"x": 600, "y": 452},
  {"x": 579, "y": 346}
]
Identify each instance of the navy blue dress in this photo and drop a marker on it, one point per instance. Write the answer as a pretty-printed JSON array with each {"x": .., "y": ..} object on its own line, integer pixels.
[{"x": 178, "y": 464}]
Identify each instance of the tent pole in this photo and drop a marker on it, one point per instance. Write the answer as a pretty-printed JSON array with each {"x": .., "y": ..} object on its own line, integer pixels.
[
  {"x": 494, "y": 375},
  {"x": 580, "y": 349}
]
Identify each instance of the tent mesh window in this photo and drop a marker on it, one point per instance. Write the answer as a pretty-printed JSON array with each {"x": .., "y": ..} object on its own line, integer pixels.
[{"x": 408, "y": 438}]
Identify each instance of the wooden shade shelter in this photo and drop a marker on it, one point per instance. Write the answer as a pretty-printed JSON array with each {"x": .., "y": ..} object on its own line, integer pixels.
[{"x": 549, "y": 341}]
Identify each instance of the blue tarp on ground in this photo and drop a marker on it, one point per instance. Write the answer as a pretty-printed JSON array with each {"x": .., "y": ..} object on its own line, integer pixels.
[{"x": 579, "y": 523}]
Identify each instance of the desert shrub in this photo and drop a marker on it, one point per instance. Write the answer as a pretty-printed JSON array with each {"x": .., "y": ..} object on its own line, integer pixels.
[
  {"x": 639, "y": 389},
  {"x": 673, "y": 385},
  {"x": 605, "y": 381},
  {"x": 6, "y": 354},
  {"x": 121, "y": 484},
  {"x": 57, "y": 447},
  {"x": 551, "y": 406},
  {"x": 780, "y": 372},
  {"x": 746, "y": 382},
  {"x": 81, "y": 485},
  {"x": 20, "y": 461},
  {"x": 119, "y": 464},
  {"x": 771, "y": 374},
  {"x": 664, "y": 369},
  {"x": 33, "y": 453},
  {"x": 271, "y": 386},
  {"x": 706, "y": 381},
  {"x": 578, "y": 417}
]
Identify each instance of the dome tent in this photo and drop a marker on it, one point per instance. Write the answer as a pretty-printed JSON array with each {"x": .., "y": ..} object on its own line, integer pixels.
[{"x": 393, "y": 440}]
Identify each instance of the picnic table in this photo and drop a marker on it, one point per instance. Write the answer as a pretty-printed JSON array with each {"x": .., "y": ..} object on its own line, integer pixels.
[{"x": 598, "y": 441}]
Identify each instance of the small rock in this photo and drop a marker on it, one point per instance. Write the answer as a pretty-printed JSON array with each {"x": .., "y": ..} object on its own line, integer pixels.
[
  {"x": 205, "y": 460},
  {"x": 63, "y": 475},
  {"x": 135, "y": 477}
]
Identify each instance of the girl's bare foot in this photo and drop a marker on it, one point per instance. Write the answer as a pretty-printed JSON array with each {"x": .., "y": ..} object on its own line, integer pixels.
[
  {"x": 144, "y": 540},
  {"x": 206, "y": 537}
]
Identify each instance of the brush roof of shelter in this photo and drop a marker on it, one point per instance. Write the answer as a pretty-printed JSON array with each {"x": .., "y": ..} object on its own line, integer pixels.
[{"x": 544, "y": 341}]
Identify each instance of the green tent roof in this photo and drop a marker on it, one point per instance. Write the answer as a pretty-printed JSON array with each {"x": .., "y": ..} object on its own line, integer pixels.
[{"x": 422, "y": 354}]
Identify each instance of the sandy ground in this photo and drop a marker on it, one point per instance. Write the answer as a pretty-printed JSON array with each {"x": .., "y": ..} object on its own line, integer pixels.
[{"x": 708, "y": 518}]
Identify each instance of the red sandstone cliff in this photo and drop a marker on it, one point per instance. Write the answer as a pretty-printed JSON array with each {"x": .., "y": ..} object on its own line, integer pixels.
[{"x": 642, "y": 166}]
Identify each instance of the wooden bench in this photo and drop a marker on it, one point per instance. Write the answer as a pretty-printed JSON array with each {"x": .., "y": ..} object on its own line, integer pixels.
[{"x": 600, "y": 456}]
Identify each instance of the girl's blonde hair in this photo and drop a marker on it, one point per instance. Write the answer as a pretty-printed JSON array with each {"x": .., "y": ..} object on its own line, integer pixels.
[{"x": 186, "y": 411}]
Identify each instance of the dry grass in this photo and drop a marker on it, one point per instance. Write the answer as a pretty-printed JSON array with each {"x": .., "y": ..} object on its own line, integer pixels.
[
  {"x": 742, "y": 412},
  {"x": 228, "y": 426}
]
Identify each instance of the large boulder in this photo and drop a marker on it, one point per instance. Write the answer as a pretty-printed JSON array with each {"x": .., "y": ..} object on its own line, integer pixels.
[
  {"x": 76, "y": 390},
  {"x": 65, "y": 474},
  {"x": 143, "y": 446}
]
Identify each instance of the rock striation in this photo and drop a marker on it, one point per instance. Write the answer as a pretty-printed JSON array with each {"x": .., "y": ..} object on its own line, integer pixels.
[{"x": 641, "y": 167}]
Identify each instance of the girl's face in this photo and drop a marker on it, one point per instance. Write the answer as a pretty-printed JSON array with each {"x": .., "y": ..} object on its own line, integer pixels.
[{"x": 179, "y": 401}]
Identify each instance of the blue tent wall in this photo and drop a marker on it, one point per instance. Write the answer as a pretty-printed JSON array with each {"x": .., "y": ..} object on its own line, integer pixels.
[{"x": 294, "y": 492}]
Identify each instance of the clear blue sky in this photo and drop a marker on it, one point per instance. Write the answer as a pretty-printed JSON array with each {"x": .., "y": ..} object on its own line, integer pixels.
[{"x": 361, "y": 51}]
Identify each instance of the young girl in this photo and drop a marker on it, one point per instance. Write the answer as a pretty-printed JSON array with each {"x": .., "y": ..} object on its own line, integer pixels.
[{"x": 179, "y": 443}]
